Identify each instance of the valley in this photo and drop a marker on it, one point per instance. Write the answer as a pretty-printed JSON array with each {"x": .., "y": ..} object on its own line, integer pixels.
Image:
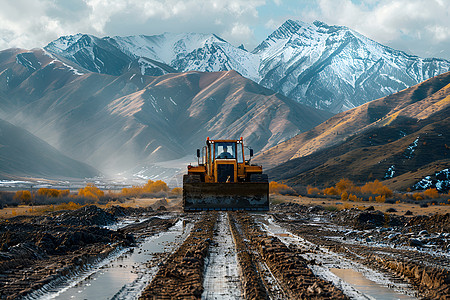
[{"x": 96, "y": 134}]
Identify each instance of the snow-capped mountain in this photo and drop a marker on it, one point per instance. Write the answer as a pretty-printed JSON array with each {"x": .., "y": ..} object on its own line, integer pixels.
[
  {"x": 336, "y": 68},
  {"x": 327, "y": 67},
  {"x": 183, "y": 52}
]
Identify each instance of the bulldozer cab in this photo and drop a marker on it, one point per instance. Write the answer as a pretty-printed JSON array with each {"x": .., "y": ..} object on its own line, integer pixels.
[{"x": 224, "y": 180}]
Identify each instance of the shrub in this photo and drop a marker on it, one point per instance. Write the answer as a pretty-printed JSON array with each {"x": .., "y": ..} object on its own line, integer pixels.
[
  {"x": 177, "y": 191},
  {"x": 52, "y": 193},
  {"x": 91, "y": 191},
  {"x": 312, "y": 190},
  {"x": 344, "y": 196},
  {"x": 418, "y": 196},
  {"x": 331, "y": 191},
  {"x": 150, "y": 189},
  {"x": 431, "y": 193},
  {"x": 345, "y": 185},
  {"x": 380, "y": 199},
  {"x": 155, "y": 187},
  {"x": 353, "y": 198},
  {"x": 280, "y": 188},
  {"x": 23, "y": 196},
  {"x": 376, "y": 188}
]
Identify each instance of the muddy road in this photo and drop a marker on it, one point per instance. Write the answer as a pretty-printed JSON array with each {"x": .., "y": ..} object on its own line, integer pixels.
[{"x": 291, "y": 252}]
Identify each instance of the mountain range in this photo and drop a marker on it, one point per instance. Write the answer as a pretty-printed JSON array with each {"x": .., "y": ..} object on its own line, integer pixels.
[
  {"x": 327, "y": 67},
  {"x": 130, "y": 103},
  {"x": 401, "y": 139},
  {"x": 115, "y": 123}
]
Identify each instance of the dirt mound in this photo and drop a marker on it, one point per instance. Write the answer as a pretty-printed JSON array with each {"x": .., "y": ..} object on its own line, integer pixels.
[
  {"x": 119, "y": 211},
  {"x": 85, "y": 216},
  {"x": 434, "y": 223}
]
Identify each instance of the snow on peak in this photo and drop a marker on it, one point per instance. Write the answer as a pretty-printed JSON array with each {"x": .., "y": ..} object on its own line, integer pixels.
[{"x": 63, "y": 43}]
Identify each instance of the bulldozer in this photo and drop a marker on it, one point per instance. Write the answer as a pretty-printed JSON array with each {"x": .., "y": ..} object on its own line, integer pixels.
[{"x": 224, "y": 180}]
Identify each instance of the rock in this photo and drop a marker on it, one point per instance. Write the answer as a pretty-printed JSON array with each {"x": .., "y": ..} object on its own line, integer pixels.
[{"x": 415, "y": 243}]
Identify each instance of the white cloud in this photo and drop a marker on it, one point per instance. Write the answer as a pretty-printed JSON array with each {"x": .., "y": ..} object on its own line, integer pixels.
[
  {"x": 418, "y": 26},
  {"x": 411, "y": 25},
  {"x": 31, "y": 24}
]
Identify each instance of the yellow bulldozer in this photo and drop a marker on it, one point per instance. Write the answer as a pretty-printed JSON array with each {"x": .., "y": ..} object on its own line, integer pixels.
[{"x": 224, "y": 180}]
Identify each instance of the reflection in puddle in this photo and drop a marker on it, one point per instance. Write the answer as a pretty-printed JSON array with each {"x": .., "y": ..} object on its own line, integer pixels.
[
  {"x": 128, "y": 275},
  {"x": 368, "y": 287}
]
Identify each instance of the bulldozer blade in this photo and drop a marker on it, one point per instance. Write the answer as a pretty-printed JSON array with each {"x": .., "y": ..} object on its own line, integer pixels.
[{"x": 226, "y": 196}]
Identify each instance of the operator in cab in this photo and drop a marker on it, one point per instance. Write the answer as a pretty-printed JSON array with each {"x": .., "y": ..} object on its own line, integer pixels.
[{"x": 225, "y": 153}]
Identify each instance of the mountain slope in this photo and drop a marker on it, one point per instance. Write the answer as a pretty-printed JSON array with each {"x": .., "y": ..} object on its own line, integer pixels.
[
  {"x": 400, "y": 138},
  {"x": 24, "y": 155},
  {"x": 120, "y": 122}
]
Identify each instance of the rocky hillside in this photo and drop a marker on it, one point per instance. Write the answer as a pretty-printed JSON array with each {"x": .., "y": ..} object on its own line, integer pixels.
[
  {"x": 327, "y": 67},
  {"x": 119, "y": 122},
  {"x": 401, "y": 138}
]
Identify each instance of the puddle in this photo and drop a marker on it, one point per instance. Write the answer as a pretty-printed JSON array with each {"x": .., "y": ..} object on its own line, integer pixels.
[
  {"x": 221, "y": 277},
  {"x": 376, "y": 283},
  {"x": 366, "y": 286},
  {"x": 126, "y": 276}
]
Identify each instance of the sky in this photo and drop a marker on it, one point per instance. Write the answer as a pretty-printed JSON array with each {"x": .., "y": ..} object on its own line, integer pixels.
[{"x": 419, "y": 27}]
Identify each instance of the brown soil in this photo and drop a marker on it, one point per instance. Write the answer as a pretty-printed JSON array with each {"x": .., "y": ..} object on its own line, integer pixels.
[
  {"x": 395, "y": 244},
  {"x": 181, "y": 276},
  {"x": 35, "y": 251},
  {"x": 289, "y": 268}
]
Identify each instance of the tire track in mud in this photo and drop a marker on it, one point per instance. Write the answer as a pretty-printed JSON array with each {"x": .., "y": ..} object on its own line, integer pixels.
[
  {"x": 80, "y": 275},
  {"x": 181, "y": 275},
  {"x": 407, "y": 268},
  {"x": 222, "y": 272},
  {"x": 252, "y": 284},
  {"x": 324, "y": 263},
  {"x": 289, "y": 268}
]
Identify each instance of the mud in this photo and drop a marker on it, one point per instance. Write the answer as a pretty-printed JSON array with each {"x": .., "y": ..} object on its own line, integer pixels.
[
  {"x": 181, "y": 276},
  {"x": 411, "y": 252},
  {"x": 36, "y": 251},
  {"x": 412, "y": 249},
  {"x": 289, "y": 267}
]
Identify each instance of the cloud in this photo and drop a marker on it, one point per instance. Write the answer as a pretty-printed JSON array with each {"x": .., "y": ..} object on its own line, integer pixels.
[
  {"x": 31, "y": 24},
  {"x": 418, "y": 26}
]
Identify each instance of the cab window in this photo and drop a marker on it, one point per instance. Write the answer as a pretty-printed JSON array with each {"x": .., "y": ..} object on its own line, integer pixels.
[{"x": 225, "y": 150}]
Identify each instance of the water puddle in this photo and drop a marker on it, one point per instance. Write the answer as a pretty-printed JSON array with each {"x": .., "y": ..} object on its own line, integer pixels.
[
  {"x": 126, "y": 276},
  {"x": 221, "y": 278},
  {"x": 368, "y": 287},
  {"x": 356, "y": 280}
]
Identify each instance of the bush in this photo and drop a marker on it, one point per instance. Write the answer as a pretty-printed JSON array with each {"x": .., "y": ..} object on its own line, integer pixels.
[
  {"x": 52, "y": 193},
  {"x": 280, "y": 189},
  {"x": 344, "y": 196},
  {"x": 176, "y": 191},
  {"x": 312, "y": 190},
  {"x": 353, "y": 198},
  {"x": 91, "y": 191},
  {"x": 431, "y": 193},
  {"x": 23, "y": 196},
  {"x": 150, "y": 189},
  {"x": 376, "y": 188},
  {"x": 331, "y": 191},
  {"x": 380, "y": 199},
  {"x": 418, "y": 196},
  {"x": 345, "y": 185}
]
